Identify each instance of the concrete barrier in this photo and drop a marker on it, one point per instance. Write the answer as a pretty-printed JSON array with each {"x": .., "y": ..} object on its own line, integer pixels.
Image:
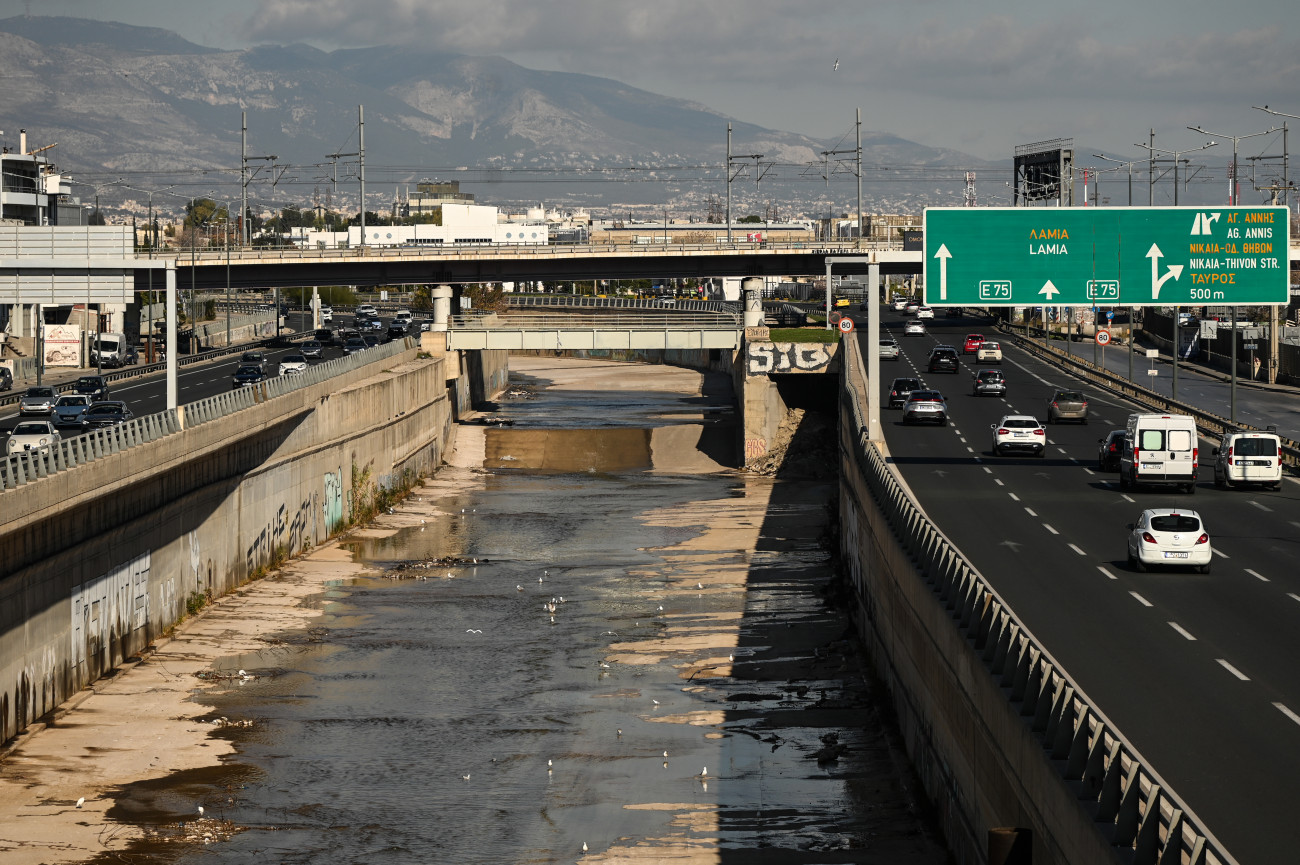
[{"x": 102, "y": 557}]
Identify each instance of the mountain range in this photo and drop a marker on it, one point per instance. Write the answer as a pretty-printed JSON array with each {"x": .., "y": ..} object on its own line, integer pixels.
[{"x": 137, "y": 108}]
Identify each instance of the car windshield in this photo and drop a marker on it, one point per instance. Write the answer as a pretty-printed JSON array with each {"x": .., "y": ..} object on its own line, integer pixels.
[
  {"x": 1175, "y": 523},
  {"x": 31, "y": 429},
  {"x": 248, "y": 370},
  {"x": 294, "y": 358},
  {"x": 71, "y": 400},
  {"x": 926, "y": 395},
  {"x": 40, "y": 391},
  {"x": 103, "y": 409},
  {"x": 906, "y": 384},
  {"x": 989, "y": 346},
  {"x": 990, "y": 376},
  {"x": 1019, "y": 423},
  {"x": 1069, "y": 396},
  {"x": 90, "y": 381}
]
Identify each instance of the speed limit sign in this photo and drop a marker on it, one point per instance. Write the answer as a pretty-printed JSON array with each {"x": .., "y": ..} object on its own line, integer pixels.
[
  {"x": 846, "y": 325},
  {"x": 1103, "y": 337}
]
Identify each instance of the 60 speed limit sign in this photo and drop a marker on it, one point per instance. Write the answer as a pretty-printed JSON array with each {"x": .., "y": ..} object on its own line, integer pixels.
[
  {"x": 1103, "y": 337},
  {"x": 846, "y": 325}
]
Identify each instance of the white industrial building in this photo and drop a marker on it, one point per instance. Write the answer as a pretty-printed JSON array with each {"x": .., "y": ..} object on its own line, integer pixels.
[{"x": 462, "y": 225}]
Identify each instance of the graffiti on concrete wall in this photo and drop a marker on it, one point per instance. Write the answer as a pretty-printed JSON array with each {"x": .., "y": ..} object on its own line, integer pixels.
[
  {"x": 106, "y": 610},
  {"x": 284, "y": 534},
  {"x": 333, "y": 501},
  {"x": 755, "y": 448},
  {"x": 762, "y": 358}
]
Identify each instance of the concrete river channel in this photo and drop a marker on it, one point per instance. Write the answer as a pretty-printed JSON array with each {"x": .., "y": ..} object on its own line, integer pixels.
[{"x": 586, "y": 639}]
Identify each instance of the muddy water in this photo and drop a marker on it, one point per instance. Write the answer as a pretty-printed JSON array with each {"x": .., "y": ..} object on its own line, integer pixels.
[{"x": 517, "y": 705}]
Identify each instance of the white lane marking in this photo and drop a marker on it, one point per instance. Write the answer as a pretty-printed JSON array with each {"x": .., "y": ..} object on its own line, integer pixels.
[
  {"x": 1220, "y": 553},
  {"x": 1285, "y": 711},
  {"x": 1014, "y": 497},
  {"x": 1257, "y": 575},
  {"x": 1027, "y": 370},
  {"x": 1141, "y": 600},
  {"x": 988, "y": 470},
  {"x": 969, "y": 449},
  {"x": 1231, "y": 669},
  {"x": 1107, "y": 573},
  {"x": 1181, "y": 630},
  {"x": 1125, "y": 497},
  {"x": 1293, "y": 596},
  {"x": 1050, "y": 529},
  {"x": 1294, "y": 523},
  {"x": 1089, "y": 471},
  {"x": 1062, "y": 450},
  {"x": 962, "y": 437},
  {"x": 1073, "y": 459},
  {"x": 1261, "y": 506},
  {"x": 1077, "y": 550},
  {"x": 996, "y": 481},
  {"x": 1030, "y": 511}
]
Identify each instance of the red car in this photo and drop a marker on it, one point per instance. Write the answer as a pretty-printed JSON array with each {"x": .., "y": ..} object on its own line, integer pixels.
[{"x": 973, "y": 342}]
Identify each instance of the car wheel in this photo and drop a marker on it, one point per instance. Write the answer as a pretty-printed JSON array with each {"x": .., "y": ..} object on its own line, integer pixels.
[
  {"x": 1137, "y": 564},
  {"x": 1039, "y": 453},
  {"x": 943, "y": 422},
  {"x": 1218, "y": 482},
  {"x": 1204, "y": 569},
  {"x": 1277, "y": 487},
  {"x": 1085, "y": 421},
  {"x": 1190, "y": 489}
]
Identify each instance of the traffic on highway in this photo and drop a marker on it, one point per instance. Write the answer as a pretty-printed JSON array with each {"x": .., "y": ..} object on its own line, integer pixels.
[{"x": 1176, "y": 607}]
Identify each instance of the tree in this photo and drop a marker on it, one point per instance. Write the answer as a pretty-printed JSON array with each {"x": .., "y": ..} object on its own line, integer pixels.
[
  {"x": 753, "y": 217},
  {"x": 202, "y": 211}
]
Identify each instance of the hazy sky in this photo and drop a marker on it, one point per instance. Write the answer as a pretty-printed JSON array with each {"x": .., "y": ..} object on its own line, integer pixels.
[{"x": 979, "y": 77}]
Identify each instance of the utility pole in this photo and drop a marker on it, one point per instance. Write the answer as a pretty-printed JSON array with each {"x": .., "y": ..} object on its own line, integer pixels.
[
  {"x": 731, "y": 177},
  {"x": 245, "y": 231}
]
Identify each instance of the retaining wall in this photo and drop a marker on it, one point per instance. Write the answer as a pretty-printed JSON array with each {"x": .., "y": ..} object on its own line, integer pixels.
[{"x": 102, "y": 558}]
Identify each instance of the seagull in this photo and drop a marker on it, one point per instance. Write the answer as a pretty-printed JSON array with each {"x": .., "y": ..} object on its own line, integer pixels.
[
  {"x": 81, "y": 801},
  {"x": 604, "y": 666},
  {"x": 699, "y": 585},
  {"x": 584, "y": 846},
  {"x": 464, "y": 777},
  {"x": 390, "y": 510},
  {"x": 661, "y": 608},
  {"x": 836, "y": 67},
  {"x": 548, "y": 764},
  {"x": 242, "y": 673},
  {"x": 620, "y": 733},
  {"x": 518, "y": 588},
  {"x": 656, "y": 702},
  {"x": 474, "y": 631},
  {"x": 704, "y": 773},
  {"x": 200, "y": 810},
  {"x": 665, "y": 755},
  {"x": 731, "y": 658}
]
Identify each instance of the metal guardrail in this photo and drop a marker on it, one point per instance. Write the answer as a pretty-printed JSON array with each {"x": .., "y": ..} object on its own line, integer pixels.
[
  {"x": 31, "y": 466},
  {"x": 606, "y": 321},
  {"x": 571, "y": 301},
  {"x": 1131, "y": 804},
  {"x": 1207, "y": 422}
]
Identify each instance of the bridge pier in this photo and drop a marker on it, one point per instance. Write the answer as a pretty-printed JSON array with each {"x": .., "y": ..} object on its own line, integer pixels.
[{"x": 441, "y": 295}]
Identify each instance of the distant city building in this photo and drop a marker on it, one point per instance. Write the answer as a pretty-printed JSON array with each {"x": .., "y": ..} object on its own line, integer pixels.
[
  {"x": 430, "y": 196},
  {"x": 33, "y": 191},
  {"x": 634, "y": 233},
  {"x": 462, "y": 225}
]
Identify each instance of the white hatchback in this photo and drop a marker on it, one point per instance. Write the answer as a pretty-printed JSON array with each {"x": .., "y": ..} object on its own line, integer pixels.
[
  {"x": 989, "y": 352},
  {"x": 1169, "y": 536},
  {"x": 924, "y": 312},
  {"x": 914, "y": 328}
]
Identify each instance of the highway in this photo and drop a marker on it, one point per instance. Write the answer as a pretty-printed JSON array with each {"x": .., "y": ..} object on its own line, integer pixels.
[
  {"x": 148, "y": 394},
  {"x": 1196, "y": 670}
]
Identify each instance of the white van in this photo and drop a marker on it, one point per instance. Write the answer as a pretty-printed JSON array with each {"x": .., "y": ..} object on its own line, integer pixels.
[
  {"x": 1248, "y": 458},
  {"x": 1159, "y": 449}
]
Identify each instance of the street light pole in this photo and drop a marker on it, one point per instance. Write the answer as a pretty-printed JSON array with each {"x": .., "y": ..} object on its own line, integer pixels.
[{"x": 1233, "y": 190}]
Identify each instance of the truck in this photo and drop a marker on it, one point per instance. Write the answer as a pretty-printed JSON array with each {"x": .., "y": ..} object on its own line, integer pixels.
[{"x": 112, "y": 350}]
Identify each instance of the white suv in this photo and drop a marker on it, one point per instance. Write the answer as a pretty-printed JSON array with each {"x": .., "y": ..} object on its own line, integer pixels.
[
  {"x": 326, "y": 314},
  {"x": 367, "y": 309},
  {"x": 1019, "y": 432}
]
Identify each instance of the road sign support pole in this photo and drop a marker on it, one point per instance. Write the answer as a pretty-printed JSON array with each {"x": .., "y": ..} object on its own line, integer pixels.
[
  {"x": 1232, "y": 387},
  {"x": 1131, "y": 317},
  {"x": 873, "y": 333},
  {"x": 1178, "y": 347}
]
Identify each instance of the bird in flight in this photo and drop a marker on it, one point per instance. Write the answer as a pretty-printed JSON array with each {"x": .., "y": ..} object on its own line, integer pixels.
[{"x": 836, "y": 67}]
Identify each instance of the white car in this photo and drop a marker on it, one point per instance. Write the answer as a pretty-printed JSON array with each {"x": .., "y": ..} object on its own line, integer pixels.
[
  {"x": 914, "y": 328},
  {"x": 900, "y": 304},
  {"x": 924, "y": 312},
  {"x": 367, "y": 309},
  {"x": 1169, "y": 536},
  {"x": 988, "y": 352},
  {"x": 889, "y": 349},
  {"x": 911, "y": 307},
  {"x": 31, "y": 435},
  {"x": 402, "y": 317},
  {"x": 1019, "y": 432},
  {"x": 326, "y": 314},
  {"x": 293, "y": 364}
]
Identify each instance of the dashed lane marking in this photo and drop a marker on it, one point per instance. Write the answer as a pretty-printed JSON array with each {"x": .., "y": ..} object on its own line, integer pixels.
[
  {"x": 1293, "y": 596},
  {"x": 1077, "y": 550},
  {"x": 996, "y": 481},
  {"x": 1089, "y": 471},
  {"x": 1050, "y": 529},
  {"x": 1030, "y": 511},
  {"x": 1231, "y": 669},
  {"x": 988, "y": 470},
  {"x": 1141, "y": 600},
  {"x": 1285, "y": 711},
  {"x": 1261, "y": 506},
  {"x": 1257, "y": 575},
  {"x": 1126, "y": 497},
  {"x": 1182, "y": 631},
  {"x": 1108, "y": 574},
  {"x": 1014, "y": 497}
]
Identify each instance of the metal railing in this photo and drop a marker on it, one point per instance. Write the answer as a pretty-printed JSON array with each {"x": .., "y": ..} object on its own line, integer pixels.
[
  {"x": 1131, "y": 804},
  {"x": 578, "y": 301},
  {"x": 605, "y": 321},
  {"x": 30, "y": 466},
  {"x": 1207, "y": 422}
]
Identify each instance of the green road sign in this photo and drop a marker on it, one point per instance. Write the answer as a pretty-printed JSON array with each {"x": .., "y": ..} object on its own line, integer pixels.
[{"x": 1116, "y": 256}]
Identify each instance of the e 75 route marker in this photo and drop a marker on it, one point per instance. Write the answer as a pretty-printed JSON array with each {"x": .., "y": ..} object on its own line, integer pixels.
[{"x": 1123, "y": 256}]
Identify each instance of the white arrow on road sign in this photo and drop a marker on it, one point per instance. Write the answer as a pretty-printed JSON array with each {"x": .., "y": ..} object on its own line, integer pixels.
[
  {"x": 1049, "y": 290},
  {"x": 1175, "y": 270},
  {"x": 943, "y": 255}
]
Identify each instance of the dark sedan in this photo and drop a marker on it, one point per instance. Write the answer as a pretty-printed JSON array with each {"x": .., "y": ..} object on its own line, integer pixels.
[
  {"x": 107, "y": 413},
  {"x": 93, "y": 386},
  {"x": 354, "y": 344},
  {"x": 312, "y": 349},
  {"x": 247, "y": 375},
  {"x": 1109, "y": 450}
]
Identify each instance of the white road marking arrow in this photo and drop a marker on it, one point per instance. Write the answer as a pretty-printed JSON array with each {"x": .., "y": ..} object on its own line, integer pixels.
[
  {"x": 1175, "y": 270},
  {"x": 1049, "y": 290},
  {"x": 943, "y": 255}
]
